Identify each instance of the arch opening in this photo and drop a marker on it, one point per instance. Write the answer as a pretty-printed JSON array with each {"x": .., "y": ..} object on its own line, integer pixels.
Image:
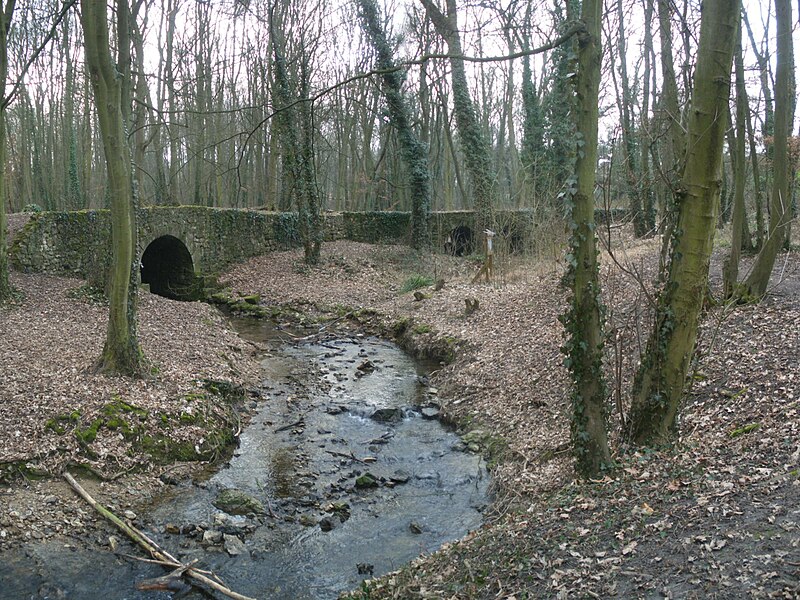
[
  {"x": 460, "y": 241},
  {"x": 513, "y": 240},
  {"x": 167, "y": 268}
]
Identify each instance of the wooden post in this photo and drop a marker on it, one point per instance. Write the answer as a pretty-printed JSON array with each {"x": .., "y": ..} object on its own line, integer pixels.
[{"x": 488, "y": 265}]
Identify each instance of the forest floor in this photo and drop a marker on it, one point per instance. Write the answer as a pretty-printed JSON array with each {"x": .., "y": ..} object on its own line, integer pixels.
[{"x": 715, "y": 516}]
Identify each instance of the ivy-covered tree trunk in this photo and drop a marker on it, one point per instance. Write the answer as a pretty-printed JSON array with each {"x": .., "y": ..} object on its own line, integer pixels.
[
  {"x": 559, "y": 121},
  {"x": 474, "y": 145},
  {"x": 780, "y": 203},
  {"x": 309, "y": 206},
  {"x": 533, "y": 151},
  {"x": 660, "y": 381},
  {"x": 583, "y": 320},
  {"x": 121, "y": 353},
  {"x": 412, "y": 150},
  {"x": 297, "y": 140},
  {"x": 5, "y": 22}
]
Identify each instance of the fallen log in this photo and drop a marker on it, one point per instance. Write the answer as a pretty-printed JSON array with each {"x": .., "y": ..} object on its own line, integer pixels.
[{"x": 153, "y": 548}]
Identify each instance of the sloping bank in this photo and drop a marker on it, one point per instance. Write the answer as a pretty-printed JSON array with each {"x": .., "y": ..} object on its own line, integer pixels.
[
  {"x": 716, "y": 515},
  {"x": 500, "y": 380}
]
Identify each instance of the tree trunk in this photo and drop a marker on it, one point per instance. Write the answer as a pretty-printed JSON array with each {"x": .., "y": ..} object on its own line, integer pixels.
[
  {"x": 412, "y": 150},
  {"x": 5, "y": 23},
  {"x": 660, "y": 381},
  {"x": 645, "y": 189},
  {"x": 673, "y": 149},
  {"x": 121, "y": 353},
  {"x": 172, "y": 104},
  {"x": 583, "y": 321},
  {"x": 730, "y": 268},
  {"x": 476, "y": 149},
  {"x": 625, "y": 104},
  {"x": 780, "y": 205},
  {"x": 759, "y": 196},
  {"x": 297, "y": 131}
]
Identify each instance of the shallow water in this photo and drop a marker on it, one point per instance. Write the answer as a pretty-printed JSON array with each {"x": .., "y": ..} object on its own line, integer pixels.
[{"x": 312, "y": 436}]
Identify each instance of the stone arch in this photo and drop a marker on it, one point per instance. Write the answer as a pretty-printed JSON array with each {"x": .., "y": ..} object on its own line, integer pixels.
[
  {"x": 167, "y": 267},
  {"x": 460, "y": 241}
]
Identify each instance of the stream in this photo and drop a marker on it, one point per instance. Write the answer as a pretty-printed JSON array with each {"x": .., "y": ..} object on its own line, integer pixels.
[{"x": 343, "y": 473}]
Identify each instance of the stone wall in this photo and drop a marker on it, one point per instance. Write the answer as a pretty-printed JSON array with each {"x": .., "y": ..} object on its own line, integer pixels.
[{"x": 77, "y": 243}]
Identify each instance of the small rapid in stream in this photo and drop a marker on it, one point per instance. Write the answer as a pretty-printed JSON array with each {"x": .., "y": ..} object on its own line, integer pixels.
[{"x": 345, "y": 470}]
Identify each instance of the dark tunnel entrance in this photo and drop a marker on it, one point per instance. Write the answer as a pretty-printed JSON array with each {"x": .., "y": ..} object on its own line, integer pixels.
[
  {"x": 459, "y": 242},
  {"x": 168, "y": 269}
]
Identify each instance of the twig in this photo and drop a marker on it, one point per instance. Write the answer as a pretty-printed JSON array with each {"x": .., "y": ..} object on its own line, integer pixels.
[
  {"x": 322, "y": 329},
  {"x": 152, "y": 548},
  {"x": 291, "y": 335},
  {"x": 299, "y": 421},
  {"x": 344, "y": 455},
  {"x": 152, "y": 561}
]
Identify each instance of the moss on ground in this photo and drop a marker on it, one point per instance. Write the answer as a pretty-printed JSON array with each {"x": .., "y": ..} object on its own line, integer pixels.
[{"x": 154, "y": 434}]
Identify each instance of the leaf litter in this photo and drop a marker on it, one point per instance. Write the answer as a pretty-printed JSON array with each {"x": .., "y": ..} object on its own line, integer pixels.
[{"x": 717, "y": 515}]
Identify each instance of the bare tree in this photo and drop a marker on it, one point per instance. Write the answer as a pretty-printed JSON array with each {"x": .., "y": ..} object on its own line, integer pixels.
[
  {"x": 660, "y": 381},
  {"x": 780, "y": 204},
  {"x": 121, "y": 353},
  {"x": 413, "y": 152},
  {"x": 473, "y": 141}
]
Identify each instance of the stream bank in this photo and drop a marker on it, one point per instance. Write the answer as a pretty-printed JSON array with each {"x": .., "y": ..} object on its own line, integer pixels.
[{"x": 343, "y": 473}]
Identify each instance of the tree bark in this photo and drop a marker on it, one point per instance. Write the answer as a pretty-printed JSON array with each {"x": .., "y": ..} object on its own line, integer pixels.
[
  {"x": 5, "y": 23},
  {"x": 121, "y": 353},
  {"x": 660, "y": 381},
  {"x": 583, "y": 321},
  {"x": 413, "y": 151},
  {"x": 780, "y": 204},
  {"x": 730, "y": 268},
  {"x": 476, "y": 149}
]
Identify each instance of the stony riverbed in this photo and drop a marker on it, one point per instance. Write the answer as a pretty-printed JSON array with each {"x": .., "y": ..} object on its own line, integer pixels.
[{"x": 343, "y": 473}]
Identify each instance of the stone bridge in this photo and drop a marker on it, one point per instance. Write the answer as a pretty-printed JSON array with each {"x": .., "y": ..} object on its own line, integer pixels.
[{"x": 180, "y": 245}]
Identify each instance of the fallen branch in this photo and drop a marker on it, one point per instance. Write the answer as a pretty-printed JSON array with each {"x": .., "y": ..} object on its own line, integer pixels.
[
  {"x": 171, "y": 582},
  {"x": 152, "y": 548}
]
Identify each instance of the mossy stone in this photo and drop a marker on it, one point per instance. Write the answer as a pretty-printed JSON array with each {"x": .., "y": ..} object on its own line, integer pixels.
[
  {"x": 237, "y": 502},
  {"x": 367, "y": 480}
]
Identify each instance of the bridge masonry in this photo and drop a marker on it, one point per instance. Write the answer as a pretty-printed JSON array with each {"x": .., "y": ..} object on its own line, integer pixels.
[{"x": 78, "y": 243}]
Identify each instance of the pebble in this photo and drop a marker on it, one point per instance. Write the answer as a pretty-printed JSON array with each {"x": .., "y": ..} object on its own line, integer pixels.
[
  {"x": 430, "y": 412},
  {"x": 212, "y": 537},
  {"x": 400, "y": 476},
  {"x": 233, "y": 545},
  {"x": 172, "y": 528}
]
